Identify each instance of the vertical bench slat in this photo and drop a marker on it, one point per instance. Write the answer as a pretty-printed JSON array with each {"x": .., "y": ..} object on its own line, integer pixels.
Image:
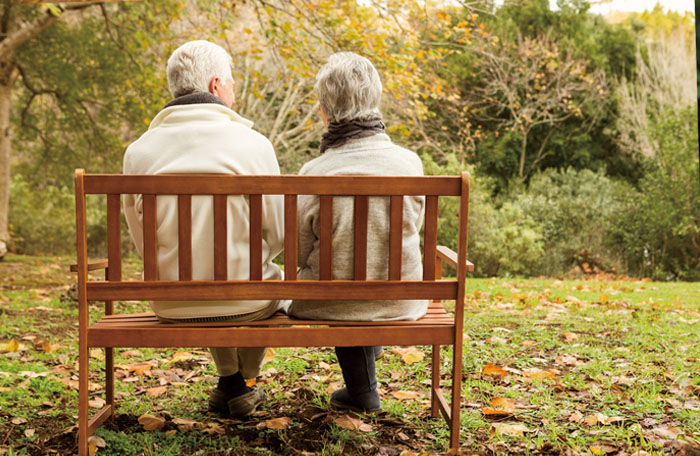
[
  {"x": 290, "y": 237},
  {"x": 395, "y": 237},
  {"x": 184, "y": 246},
  {"x": 150, "y": 247},
  {"x": 361, "y": 211},
  {"x": 255, "y": 237},
  {"x": 326, "y": 241},
  {"x": 220, "y": 244},
  {"x": 430, "y": 237},
  {"x": 114, "y": 238}
]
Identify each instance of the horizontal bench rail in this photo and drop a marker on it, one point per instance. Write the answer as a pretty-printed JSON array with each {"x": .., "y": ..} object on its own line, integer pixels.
[
  {"x": 213, "y": 184},
  {"x": 173, "y": 290}
]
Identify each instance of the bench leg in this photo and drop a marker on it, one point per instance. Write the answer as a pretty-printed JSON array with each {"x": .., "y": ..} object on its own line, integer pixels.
[
  {"x": 83, "y": 397},
  {"x": 456, "y": 394},
  {"x": 434, "y": 408},
  {"x": 109, "y": 379}
]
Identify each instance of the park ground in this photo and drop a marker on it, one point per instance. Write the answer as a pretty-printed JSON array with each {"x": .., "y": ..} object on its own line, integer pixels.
[{"x": 603, "y": 366}]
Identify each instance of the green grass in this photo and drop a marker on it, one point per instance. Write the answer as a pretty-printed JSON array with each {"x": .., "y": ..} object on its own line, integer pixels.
[{"x": 624, "y": 349}]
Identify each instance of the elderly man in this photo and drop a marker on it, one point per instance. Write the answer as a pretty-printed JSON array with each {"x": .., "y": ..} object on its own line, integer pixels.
[
  {"x": 198, "y": 132},
  {"x": 349, "y": 89}
]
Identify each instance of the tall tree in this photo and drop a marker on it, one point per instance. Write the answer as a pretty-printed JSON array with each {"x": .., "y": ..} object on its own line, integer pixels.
[{"x": 18, "y": 24}]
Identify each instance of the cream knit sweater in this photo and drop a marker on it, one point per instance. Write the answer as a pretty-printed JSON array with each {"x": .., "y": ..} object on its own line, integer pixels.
[
  {"x": 375, "y": 155},
  {"x": 205, "y": 138}
]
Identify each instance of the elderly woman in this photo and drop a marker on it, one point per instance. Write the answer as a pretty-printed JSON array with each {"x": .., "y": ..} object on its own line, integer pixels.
[{"x": 349, "y": 90}]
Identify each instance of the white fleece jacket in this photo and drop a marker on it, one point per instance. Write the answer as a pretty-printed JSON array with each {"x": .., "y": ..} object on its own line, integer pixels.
[{"x": 205, "y": 138}]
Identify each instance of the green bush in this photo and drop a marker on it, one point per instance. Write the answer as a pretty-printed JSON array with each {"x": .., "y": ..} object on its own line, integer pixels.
[
  {"x": 502, "y": 240},
  {"x": 42, "y": 220},
  {"x": 659, "y": 231},
  {"x": 575, "y": 210}
]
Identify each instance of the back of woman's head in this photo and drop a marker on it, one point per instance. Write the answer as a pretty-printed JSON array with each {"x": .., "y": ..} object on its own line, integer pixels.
[{"x": 348, "y": 88}]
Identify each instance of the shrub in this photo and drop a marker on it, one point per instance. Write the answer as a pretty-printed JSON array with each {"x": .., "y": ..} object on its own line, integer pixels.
[
  {"x": 42, "y": 220},
  {"x": 502, "y": 241},
  {"x": 575, "y": 210}
]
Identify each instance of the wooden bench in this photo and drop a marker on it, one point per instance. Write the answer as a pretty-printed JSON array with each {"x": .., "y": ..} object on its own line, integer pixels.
[{"x": 436, "y": 328}]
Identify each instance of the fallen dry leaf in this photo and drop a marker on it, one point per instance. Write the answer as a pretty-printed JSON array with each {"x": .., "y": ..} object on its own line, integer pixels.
[
  {"x": 412, "y": 356},
  {"x": 12, "y": 346},
  {"x": 19, "y": 420},
  {"x": 29, "y": 432},
  {"x": 97, "y": 353},
  {"x": 349, "y": 423},
  {"x": 181, "y": 356},
  {"x": 97, "y": 402},
  {"x": 130, "y": 353},
  {"x": 537, "y": 374},
  {"x": 403, "y": 395},
  {"x": 278, "y": 423},
  {"x": 213, "y": 428},
  {"x": 513, "y": 430},
  {"x": 576, "y": 417},
  {"x": 570, "y": 336},
  {"x": 494, "y": 371},
  {"x": 269, "y": 356},
  {"x": 155, "y": 392},
  {"x": 151, "y": 422},
  {"x": 184, "y": 424},
  {"x": 503, "y": 403}
]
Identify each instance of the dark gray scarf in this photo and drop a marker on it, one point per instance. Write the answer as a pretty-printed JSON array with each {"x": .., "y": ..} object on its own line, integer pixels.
[
  {"x": 340, "y": 132},
  {"x": 196, "y": 98}
]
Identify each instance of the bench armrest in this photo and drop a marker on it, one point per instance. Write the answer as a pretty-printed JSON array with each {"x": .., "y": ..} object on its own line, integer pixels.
[
  {"x": 449, "y": 256},
  {"x": 92, "y": 265}
]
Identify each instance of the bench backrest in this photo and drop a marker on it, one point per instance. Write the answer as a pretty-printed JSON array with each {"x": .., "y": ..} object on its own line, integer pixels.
[{"x": 184, "y": 186}]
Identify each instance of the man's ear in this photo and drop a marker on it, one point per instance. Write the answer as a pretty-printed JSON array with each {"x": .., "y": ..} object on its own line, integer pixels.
[{"x": 214, "y": 86}]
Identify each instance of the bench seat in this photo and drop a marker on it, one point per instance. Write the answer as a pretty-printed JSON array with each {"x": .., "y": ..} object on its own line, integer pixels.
[{"x": 126, "y": 330}]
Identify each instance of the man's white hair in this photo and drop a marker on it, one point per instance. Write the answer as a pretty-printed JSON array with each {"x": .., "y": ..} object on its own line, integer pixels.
[
  {"x": 348, "y": 88},
  {"x": 193, "y": 65}
]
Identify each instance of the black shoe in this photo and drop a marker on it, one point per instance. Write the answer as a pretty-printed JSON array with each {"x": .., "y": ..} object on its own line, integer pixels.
[
  {"x": 360, "y": 392},
  {"x": 239, "y": 406},
  {"x": 363, "y": 403}
]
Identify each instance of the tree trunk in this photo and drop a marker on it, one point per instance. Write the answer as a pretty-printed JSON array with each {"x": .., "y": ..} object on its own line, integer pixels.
[
  {"x": 523, "y": 152},
  {"x": 5, "y": 149}
]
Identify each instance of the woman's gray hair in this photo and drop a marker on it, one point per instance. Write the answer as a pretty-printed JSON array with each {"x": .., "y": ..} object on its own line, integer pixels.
[
  {"x": 348, "y": 88},
  {"x": 193, "y": 65}
]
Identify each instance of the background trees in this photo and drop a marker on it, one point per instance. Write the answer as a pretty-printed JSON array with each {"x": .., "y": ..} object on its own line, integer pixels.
[{"x": 578, "y": 128}]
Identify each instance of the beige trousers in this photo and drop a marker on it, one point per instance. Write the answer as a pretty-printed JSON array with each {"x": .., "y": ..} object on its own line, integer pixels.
[{"x": 246, "y": 360}]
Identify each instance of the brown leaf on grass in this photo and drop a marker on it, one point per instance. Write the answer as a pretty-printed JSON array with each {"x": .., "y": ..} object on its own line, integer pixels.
[
  {"x": 155, "y": 392},
  {"x": 181, "y": 356},
  {"x": 569, "y": 337},
  {"x": 600, "y": 418},
  {"x": 497, "y": 340},
  {"x": 601, "y": 449},
  {"x": 213, "y": 428},
  {"x": 170, "y": 432},
  {"x": 667, "y": 432},
  {"x": 528, "y": 343},
  {"x": 151, "y": 422},
  {"x": 403, "y": 395},
  {"x": 48, "y": 348},
  {"x": 412, "y": 356},
  {"x": 278, "y": 423},
  {"x": 494, "y": 371},
  {"x": 575, "y": 417},
  {"x": 19, "y": 420},
  {"x": 29, "y": 432},
  {"x": 97, "y": 353},
  {"x": 250, "y": 382},
  {"x": 538, "y": 374},
  {"x": 567, "y": 360},
  {"x": 513, "y": 430},
  {"x": 503, "y": 403},
  {"x": 349, "y": 423},
  {"x": 130, "y": 353},
  {"x": 573, "y": 300},
  {"x": 97, "y": 402},
  {"x": 184, "y": 424}
]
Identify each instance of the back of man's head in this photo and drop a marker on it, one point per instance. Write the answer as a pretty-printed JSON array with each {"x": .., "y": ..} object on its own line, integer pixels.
[{"x": 192, "y": 66}]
